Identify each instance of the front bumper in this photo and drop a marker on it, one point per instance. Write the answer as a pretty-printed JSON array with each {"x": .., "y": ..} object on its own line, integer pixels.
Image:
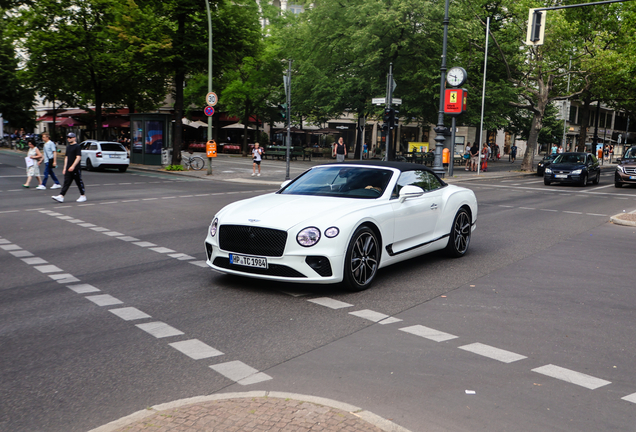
[
  {"x": 625, "y": 178},
  {"x": 294, "y": 266},
  {"x": 571, "y": 178}
]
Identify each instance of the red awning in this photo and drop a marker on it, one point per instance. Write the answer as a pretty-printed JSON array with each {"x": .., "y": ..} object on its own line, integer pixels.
[
  {"x": 72, "y": 112},
  {"x": 116, "y": 122},
  {"x": 45, "y": 118},
  {"x": 69, "y": 122}
]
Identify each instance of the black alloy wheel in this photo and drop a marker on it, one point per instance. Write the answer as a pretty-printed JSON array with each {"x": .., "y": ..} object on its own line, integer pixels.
[
  {"x": 362, "y": 259},
  {"x": 89, "y": 165},
  {"x": 459, "y": 238}
]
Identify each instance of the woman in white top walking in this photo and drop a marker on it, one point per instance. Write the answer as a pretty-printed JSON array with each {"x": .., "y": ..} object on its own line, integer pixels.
[{"x": 257, "y": 154}]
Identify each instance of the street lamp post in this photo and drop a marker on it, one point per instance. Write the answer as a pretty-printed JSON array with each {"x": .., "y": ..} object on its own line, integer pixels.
[
  {"x": 438, "y": 168},
  {"x": 207, "y": 5}
]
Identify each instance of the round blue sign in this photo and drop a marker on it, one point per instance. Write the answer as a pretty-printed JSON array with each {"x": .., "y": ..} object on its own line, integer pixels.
[{"x": 209, "y": 111}]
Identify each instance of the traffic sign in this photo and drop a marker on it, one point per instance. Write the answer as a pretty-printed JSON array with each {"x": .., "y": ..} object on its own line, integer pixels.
[
  {"x": 211, "y": 99},
  {"x": 378, "y": 101},
  {"x": 209, "y": 111}
]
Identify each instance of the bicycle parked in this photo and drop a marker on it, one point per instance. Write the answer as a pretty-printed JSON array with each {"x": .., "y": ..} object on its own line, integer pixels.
[{"x": 195, "y": 162}]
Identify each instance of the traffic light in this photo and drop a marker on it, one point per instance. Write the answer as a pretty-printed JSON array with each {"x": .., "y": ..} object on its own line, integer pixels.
[
  {"x": 387, "y": 115},
  {"x": 396, "y": 120},
  {"x": 283, "y": 110},
  {"x": 536, "y": 27}
]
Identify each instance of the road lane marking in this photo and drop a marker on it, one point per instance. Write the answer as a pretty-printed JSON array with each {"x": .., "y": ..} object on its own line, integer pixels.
[
  {"x": 374, "y": 316},
  {"x": 83, "y": 288},
  {"x": 10, "y": 247},
  {"x": 492, "y": 352},
  {"x": 144, "y": 244},
  {"x": 428, "y": 333},
  {"x": 181, "y": 256},
  {"x": 129, "y": 313},
  {"x": 572, "y": 212},
  {"x": 100, "y": 229},
  {"x": 34, "y": 260},
  {"x": 596, "y": 214},
  {"x": 159, "y": 329},
  {"x": 21, "y": 253},
  {"x": 239, "y": 372},
  {"x": 128, "y": 238},
  {"x": 112, "y": 233},
  {"x": 87, "y": 225},
  {"x": 162, "y": 250},
  {"x": 202, "y": 264},
  {"x": 195, "y": 349},
  {"x": 630, "y": 398},
  {"x": 104, "y": 300},
  {"x": 571, "y": 376},
  {"x": 48, "y": 269},
  {"x": 63, "y": 278},
  {"x": 4, "y": 241},
  {"x": 549, "y": 210},
  {"x": 330, "y": 303}
]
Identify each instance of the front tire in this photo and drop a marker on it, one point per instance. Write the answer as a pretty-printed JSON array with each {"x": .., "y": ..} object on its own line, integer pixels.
[
  {"x": 546, "y": 182},
  {"x": 583, "y": 181},
  {"x": 459, "y": 238},
  {"x": 362, "y": 259},
  {"x": 197, "y": 163},
  {"x": 618, "y": 185}
]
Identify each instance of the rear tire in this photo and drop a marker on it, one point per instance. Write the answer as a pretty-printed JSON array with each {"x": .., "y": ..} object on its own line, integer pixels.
[
  {"x": 459, "y": 238},
  {"x": 197, "y": 163},
  {"x": 123, "y": 169},
  {"x": 89, "y": 165},
  {"x": 361, "y": 260},
  {"x": 597, "y": 179}
]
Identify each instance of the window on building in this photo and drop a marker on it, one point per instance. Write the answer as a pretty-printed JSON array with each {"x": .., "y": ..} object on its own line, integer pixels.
[
  {"x": 573, "y": 112},
  {"x": 296, "y": 9}
]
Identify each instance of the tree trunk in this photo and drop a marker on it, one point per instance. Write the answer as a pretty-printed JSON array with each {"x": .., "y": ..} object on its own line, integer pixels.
[
  {"x": 246, "y": 119},
  {"x": 585, "y": 122}
]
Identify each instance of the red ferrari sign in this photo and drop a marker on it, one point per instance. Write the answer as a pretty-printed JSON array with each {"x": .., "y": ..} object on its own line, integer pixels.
[{"x": 455, "y": 101}]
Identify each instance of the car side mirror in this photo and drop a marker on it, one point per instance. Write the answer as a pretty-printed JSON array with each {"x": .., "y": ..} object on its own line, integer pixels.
[
  {"x": 410, "y": 191},
  {"x": 285, "y": 183}
]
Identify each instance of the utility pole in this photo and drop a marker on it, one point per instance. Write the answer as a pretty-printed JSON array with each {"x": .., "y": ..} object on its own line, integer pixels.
[
  {"x": 207, "y": 5},
  {"x": 288, "y": 93},
  {"x": 389, "y": 102},
  {"x": 438, "y": 167}
]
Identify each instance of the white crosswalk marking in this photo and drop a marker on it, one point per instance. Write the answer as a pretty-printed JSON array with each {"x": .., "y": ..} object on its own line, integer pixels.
[
  {"x": 571, "y": 376},
  {"x": 428, "y": 333},
  {"x": 492, "y": 352},
  {"x": 195, "y": 349},
  {"x": 159, "y": 329},
  {"x": 330, "y": 303}
]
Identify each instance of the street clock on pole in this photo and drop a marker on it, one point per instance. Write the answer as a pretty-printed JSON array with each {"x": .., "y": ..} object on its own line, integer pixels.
[{"x": 456, "y": 76}]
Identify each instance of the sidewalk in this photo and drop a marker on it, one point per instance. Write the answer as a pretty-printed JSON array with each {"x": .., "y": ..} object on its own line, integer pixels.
[
  {"x": 273, "y": 171},
  {"x": 255, "y": 411}
]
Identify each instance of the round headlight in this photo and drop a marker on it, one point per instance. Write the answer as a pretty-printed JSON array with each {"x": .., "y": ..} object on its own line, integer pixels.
[
  {"x": 214, "y": 226},
  {"x": 332, "y": 232},
  {"x": 308, "y": 236},
  {"x": 548, "y": 171}
]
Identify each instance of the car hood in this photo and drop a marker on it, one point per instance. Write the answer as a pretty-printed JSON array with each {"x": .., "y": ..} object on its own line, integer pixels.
[
  {"x": 285, "y": 211},
  {"x": 566, "y": 166},
  {"x": 628, "y": 162}
]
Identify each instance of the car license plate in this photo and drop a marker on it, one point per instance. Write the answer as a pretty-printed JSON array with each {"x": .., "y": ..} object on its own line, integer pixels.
[
  {"x": 632, "y": 177},
  {"x": 114, "y": 156},
  {"x": 560, "y": 176},
  {"x": 248, "y": 261}
]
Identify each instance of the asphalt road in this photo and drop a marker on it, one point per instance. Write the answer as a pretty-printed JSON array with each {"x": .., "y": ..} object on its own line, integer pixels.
[{"x": 532, "y": 330}]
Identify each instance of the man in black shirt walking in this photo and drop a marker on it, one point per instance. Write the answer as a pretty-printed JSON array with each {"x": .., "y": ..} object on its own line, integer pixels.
[{"x": 72, "y": 169}]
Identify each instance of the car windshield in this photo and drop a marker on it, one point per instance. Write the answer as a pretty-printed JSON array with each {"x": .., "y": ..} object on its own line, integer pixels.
[
  {"x": 341, "y": 181},
  {"x": 630, "y": 153},
  {"x": 570, "y": 158},
  {"x": 112, "y": 147}
]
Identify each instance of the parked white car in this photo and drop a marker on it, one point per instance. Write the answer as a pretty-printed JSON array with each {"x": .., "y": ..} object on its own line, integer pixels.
[
  {"x": 341, "y": 223},
  {"x": 104, "y": 154}
]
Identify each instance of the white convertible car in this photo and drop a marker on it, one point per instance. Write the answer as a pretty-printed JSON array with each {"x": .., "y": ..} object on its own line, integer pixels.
[{"x": 341, "y": 223}]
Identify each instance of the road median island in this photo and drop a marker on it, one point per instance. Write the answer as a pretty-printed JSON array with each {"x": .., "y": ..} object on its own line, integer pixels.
[
  {"x": 627, "y": 219},
  {"x": 251, "y": 411}
]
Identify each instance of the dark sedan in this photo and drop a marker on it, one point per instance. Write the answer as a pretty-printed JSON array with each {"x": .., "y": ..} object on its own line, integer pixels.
[
  {"x": 545, "y": 162},
  {"x": 575, "y": 167}
]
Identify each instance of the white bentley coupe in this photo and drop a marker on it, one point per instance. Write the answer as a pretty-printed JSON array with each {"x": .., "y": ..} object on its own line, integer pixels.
[{"x": 341, "y": 223}]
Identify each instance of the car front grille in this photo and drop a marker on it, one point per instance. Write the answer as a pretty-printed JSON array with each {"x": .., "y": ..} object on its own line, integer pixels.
[
  {"x": 252, "y": 240},
  {"x": 271, "y": 270},
  {"x": 630, "y": 170}
]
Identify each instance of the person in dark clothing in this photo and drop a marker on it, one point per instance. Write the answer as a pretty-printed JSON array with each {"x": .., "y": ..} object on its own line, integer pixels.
[
  {"x": 340, "y": 150},
  {"x": 72, "y": 169},
  {"x": 474, "y": 156}
]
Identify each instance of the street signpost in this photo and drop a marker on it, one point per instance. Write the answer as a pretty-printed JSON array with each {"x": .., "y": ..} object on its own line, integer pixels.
[
  {"x": 209, "y": 111},
  {"x": 211, "y": 99}
]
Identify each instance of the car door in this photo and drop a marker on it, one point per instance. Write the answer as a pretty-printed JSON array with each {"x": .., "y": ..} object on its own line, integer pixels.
[
  {"x": 415, "y": 219},
  {"x": 593, "y": 167},
  {"x": 83, "y": 153}
]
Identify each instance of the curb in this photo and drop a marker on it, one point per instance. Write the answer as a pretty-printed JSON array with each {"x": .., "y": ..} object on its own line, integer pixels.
[
  {"x": 367, "y": 416},
  {"x": 626, "y": 219}
]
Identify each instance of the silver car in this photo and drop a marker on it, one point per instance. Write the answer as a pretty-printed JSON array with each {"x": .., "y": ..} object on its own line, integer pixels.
[{"x": 104, "y": 154}]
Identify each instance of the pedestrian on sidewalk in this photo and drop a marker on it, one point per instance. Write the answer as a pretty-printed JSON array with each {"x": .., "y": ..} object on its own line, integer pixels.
[
  {"x": 50, "y": 161},
  {"x": 257, "y": 155},
  {"x": 484, "y": 157},
  {"x": 467, "y": 156},
  {"x": 340, "y": 150},
  {"x": 34, "y": 159},
  {"x": 72, "y": 169},
  {"x": 474, "y": 157},
  {"x": 513, "y": 153}
]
